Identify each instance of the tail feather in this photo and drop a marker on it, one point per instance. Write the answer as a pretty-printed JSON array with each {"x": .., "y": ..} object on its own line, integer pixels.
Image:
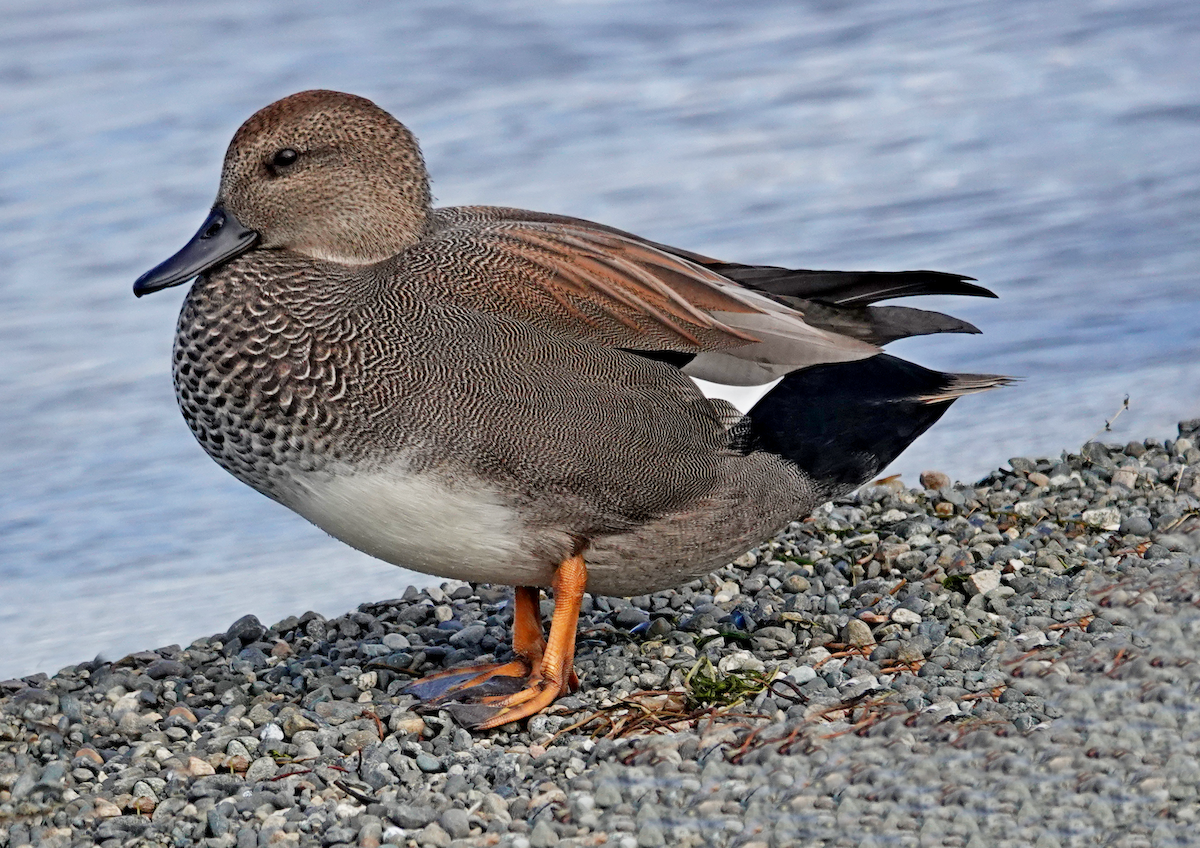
[
  {"x": 877, "y": 325},
  {"x": 842, "y": 301},
  {"x": 961, "y": 385},
  {"x": 848, "y": 288},
  {"x": 843, "y": 423}
]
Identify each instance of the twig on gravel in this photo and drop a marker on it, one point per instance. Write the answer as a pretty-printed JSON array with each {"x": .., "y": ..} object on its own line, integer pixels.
[
  {"x": 1119, "y": 660},
  {"x": 652, "y": 712},
  {"x": 994, "y": 693},
  {"x": 378, "y": 724},
  {"x": 354, "y": 793},
  {"x": 1190, "y": 514},
  {"x": 843, "y": 652},
  {"x": 290, "y": 774},
  {"x": 870, "y": 718},
  {"x": 798, "y": 698},
  {"x": 1107, "y": 428}
]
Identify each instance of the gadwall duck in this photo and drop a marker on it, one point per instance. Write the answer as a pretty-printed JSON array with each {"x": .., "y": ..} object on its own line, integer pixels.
[{"x": 497, "y": 395}]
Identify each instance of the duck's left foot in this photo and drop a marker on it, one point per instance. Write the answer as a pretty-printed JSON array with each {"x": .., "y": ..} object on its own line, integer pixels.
[
  {"x": 493, "y": 695},
  {"x": 472, "y": 682}
]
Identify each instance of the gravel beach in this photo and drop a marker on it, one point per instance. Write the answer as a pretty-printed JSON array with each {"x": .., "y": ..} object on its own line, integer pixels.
[{"x": 1014, "y": 662}]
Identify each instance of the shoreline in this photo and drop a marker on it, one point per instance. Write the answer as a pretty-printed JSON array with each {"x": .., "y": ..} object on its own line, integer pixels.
[{"x": 998, "y": 663}]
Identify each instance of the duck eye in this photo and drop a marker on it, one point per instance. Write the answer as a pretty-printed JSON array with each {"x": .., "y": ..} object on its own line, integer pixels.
[{"x": 284, "y": 157}]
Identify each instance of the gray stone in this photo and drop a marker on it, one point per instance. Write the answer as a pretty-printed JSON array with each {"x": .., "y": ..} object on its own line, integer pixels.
[
  {"x": 608, "y": 794},
  {"x": 904, "y": 616},
  {"x": 123, "y": 827},
  {"x": 1015, "y": 680},
  {"x": 1106, "y": 518},
  {"x": 218, "y": 820},
  {"x": 982, "y": 582},
  {"x": 246, "y": 629},
  {"x": 470, "y": 635},
  {"x": 161, "y": 669},
  {"x": 433, "y": 835},
  {"x": 295, "y": 723},
  {"x": 651, "y": 836},
  {"x": 23, "y": 786},
  {"x": 857, "y": 633},
  {"x": 456, "y": 822},
  {"x": 337, "y": 834},
  {"x": 411, "y": 816},
  {"x": 264, "y": 768},
  {"x": 774, "y": 639},
  {"x": 429, "y": 764},
  {"x": 396, "y": 641},
  {"x": 543, "y": 835}
]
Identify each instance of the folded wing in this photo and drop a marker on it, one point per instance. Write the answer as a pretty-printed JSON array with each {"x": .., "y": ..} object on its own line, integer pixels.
[{"x": 726, "y": 323}]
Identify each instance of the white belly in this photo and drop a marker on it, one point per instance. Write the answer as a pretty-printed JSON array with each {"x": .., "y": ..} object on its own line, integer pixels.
[
  {"x": 425, "y": 523},
  {"x": 434, "y": 524}
]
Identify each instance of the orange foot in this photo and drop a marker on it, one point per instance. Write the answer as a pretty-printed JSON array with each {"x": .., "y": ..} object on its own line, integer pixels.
[{"x": 487, "y": 696}]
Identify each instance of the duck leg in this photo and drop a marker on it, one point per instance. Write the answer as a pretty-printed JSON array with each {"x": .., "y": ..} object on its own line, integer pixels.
[
  {"x": 491, "y": 695},
  {"x": 529, "y": 644},
  {"x": 555, "y": 675}
]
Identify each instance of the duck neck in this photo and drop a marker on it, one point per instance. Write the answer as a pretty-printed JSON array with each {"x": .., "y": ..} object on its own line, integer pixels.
[
  {"x": 398, "y": 206},
  {"x": 391, "y": 216}
]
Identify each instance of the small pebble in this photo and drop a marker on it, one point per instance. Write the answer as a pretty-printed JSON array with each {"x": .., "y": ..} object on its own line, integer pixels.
[
  {"x": 456, "y": 822},
  {"x": 434, "y": 836},
  {"x": 396, "y": 641},
  {"x": 182, "y": 712},
  {"x": 543, "y": 835},
  {"x": 934, "y": 480},
  {"x": 106, "y": 809},
  {"x": 197, "y": 767},
  {"x": 428, "y": 764},
  {"x": 264, "y": 768},
  {"x": 982, "y": 582},
  {"x": 857, "y": 633},
  {"x": 906, "y": 617}
]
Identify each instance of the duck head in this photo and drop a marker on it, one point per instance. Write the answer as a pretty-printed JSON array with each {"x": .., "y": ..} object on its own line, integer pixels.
[{"x": 323, "y": 174}]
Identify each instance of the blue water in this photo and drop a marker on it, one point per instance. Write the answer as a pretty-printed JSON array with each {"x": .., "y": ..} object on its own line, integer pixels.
[{"x": 1051, "y": 150}]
